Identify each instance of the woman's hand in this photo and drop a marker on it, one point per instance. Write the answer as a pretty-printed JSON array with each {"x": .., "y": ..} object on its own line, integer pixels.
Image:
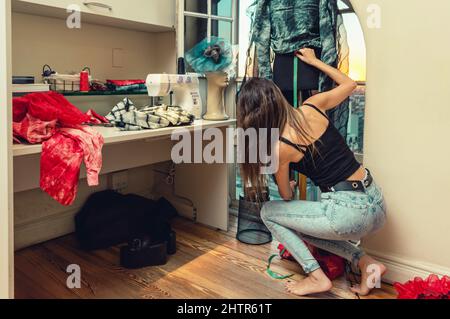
[
  {"x": 293, "y": 185},
  {"x": 307, "y": 55}
]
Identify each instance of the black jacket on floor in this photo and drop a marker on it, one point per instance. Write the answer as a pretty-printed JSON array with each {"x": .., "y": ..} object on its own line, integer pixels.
[{"x": 109, "y": 218}]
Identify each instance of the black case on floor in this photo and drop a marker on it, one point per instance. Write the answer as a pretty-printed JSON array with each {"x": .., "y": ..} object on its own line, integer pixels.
[{"x": 142, "y": 252}]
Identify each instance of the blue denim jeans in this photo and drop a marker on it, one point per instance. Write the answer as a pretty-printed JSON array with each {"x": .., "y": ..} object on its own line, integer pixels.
[{"x": 330, "y": 224}]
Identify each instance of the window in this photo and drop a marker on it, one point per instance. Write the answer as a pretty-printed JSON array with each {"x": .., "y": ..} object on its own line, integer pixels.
[
  {"x": 355, "y": 38},
  {"x": 200, "y": 19}
]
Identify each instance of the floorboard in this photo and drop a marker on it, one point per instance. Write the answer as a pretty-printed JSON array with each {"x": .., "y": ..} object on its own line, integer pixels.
[{"x": 208, "y": 264}]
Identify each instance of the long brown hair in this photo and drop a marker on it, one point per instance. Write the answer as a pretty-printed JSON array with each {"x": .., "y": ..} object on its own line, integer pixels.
[{"x": 262, "y": 105}]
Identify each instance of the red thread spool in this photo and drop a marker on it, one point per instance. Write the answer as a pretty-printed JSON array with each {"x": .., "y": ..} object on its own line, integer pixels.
[{"x": 84, "y": 81}]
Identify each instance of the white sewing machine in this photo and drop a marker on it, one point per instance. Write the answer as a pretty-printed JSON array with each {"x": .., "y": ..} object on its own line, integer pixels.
[{"x": 185, "y": 90}]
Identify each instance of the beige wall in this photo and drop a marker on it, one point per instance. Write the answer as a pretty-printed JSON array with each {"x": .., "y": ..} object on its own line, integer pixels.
[
  {"x": 407, "y": 127},
  {"x": 42, "y": 40}
]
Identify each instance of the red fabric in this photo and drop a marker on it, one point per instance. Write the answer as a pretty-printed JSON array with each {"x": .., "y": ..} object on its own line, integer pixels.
[
  {"x": 333, "y": 266},
  {"x": 50, "y": 119},
  {"x": 20, "y": 108},
  {"x": 33, "y": 130},
  {"x": 94, "y": 118},
  {"x": 430, "y": 288},
  {"x": 60, "y": 168},
  {"x": 51, "y": 106},
  {"x": 125, "y": 82},
  {"x": 62, "y": 156},
  {"x": 91, "y": 143}
]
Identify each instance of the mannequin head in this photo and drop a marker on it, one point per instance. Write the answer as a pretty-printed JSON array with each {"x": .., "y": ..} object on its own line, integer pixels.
[
  {"x": 218, "y": 79},
  {"x": 217, "y": 82}
]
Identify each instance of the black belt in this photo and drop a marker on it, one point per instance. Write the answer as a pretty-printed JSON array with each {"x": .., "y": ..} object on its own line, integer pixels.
[{"x": 349, "y": 186}]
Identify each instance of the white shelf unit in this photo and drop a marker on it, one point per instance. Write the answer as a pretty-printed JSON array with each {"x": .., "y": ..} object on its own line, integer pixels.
[
  {"x": 113, "y": 135},
  {"x": 141, "y": 15}
]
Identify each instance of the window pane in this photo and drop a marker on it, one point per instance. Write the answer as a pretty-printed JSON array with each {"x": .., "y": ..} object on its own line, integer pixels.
[
  {"x": 356, "y": 44},
  {"x": 222, "y": 8},
  {"x": 355, "y": 132},
  {"x": 221, "y": 29},
  {"x": 199, "y": 6},
  {"x": 195, "y": 30}
]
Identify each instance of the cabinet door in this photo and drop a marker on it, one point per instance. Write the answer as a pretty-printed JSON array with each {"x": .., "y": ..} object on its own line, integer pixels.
[
  {"x": 157, "y": 12},
  {"x": 154, "y": 12}
]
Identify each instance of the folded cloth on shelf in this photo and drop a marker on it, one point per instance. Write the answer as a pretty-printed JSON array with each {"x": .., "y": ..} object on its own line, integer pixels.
[
  {"x": 50, "y": 119},
  {"x": 97, "y": 85},
  {"x": 126, "y": 116},
  {"x": 124, "y": 82},
  {"x": 127, "y": 88}
]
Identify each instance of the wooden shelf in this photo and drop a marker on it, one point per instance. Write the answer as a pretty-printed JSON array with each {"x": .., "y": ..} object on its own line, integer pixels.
[{"x": 114, "y": 135}]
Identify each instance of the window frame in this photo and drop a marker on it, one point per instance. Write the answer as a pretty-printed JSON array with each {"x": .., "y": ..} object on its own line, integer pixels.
[{"x": 181, "y": 14}]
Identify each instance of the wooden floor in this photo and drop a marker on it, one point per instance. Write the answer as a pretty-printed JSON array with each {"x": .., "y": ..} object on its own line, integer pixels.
[{"x": 208, "y": 264}]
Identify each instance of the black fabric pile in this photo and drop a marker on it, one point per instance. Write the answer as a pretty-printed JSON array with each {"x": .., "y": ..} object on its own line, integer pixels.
[{"x": 109, "y": 218}]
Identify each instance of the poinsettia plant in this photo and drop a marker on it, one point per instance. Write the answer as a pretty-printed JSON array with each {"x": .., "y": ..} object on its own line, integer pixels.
[{"x": 430, "y": 288}]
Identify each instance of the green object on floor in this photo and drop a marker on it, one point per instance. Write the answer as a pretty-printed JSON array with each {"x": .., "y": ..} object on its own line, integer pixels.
[{"x": 273, "y": 274}]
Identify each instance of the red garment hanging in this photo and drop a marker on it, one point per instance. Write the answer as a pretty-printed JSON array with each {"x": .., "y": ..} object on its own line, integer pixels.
[
  {"x": 50, "y": 119},
  {"x": 61, "y": 160}
]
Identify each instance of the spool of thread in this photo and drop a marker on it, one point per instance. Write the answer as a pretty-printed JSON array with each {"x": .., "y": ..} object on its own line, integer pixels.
[
  {"x": 84, "y": 81},
  {"x": 181, "y": 66}
]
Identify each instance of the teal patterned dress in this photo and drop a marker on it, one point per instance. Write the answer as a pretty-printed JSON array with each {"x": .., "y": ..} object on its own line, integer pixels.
[{"x": 280, "y": 26}]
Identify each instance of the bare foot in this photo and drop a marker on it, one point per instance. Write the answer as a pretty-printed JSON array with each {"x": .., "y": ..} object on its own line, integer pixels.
[
  {"x": 371, "y": 273},
  {"x": 316, "y": 282}
]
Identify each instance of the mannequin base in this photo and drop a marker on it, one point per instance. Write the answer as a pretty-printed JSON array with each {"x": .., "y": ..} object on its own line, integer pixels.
[{"x": 215, "y": 117}]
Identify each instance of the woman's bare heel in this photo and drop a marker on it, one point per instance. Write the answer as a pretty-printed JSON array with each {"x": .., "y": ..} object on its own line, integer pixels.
[{"x": 371, "y": 273}]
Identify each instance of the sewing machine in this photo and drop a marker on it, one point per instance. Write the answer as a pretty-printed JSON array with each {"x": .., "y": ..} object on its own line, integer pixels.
[{"x": 183, "y": 89}]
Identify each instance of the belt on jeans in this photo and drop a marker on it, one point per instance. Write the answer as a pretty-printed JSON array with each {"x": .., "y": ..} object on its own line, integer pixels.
[{"x": 349, "y": 186}]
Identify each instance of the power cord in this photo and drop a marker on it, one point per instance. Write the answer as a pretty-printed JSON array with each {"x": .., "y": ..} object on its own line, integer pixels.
[{"x": 170, "y": 180}]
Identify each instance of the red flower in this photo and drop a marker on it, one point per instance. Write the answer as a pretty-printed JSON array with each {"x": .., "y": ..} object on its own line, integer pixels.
[{"x": 430, "y": 288}]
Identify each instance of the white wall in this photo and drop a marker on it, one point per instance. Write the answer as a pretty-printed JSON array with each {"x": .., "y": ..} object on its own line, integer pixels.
[{"x": 407, "y": 129}]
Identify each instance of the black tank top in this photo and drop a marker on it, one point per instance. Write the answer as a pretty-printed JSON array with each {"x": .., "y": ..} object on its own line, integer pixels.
[{"x": 331, "y": 162}]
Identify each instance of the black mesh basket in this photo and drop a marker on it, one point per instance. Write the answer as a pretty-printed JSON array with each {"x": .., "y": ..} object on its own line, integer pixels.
[{"x": 251, "y": 228}]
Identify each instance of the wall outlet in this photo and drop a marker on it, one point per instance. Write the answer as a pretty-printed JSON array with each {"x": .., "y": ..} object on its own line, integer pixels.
[{"x": 119, "y": 181}]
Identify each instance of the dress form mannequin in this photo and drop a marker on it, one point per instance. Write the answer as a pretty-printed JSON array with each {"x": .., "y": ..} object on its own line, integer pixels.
[{"x": 217, "y": 82}]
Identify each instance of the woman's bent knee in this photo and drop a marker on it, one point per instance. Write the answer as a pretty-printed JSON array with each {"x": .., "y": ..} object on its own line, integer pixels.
[{"x": 266, "y": 211}]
